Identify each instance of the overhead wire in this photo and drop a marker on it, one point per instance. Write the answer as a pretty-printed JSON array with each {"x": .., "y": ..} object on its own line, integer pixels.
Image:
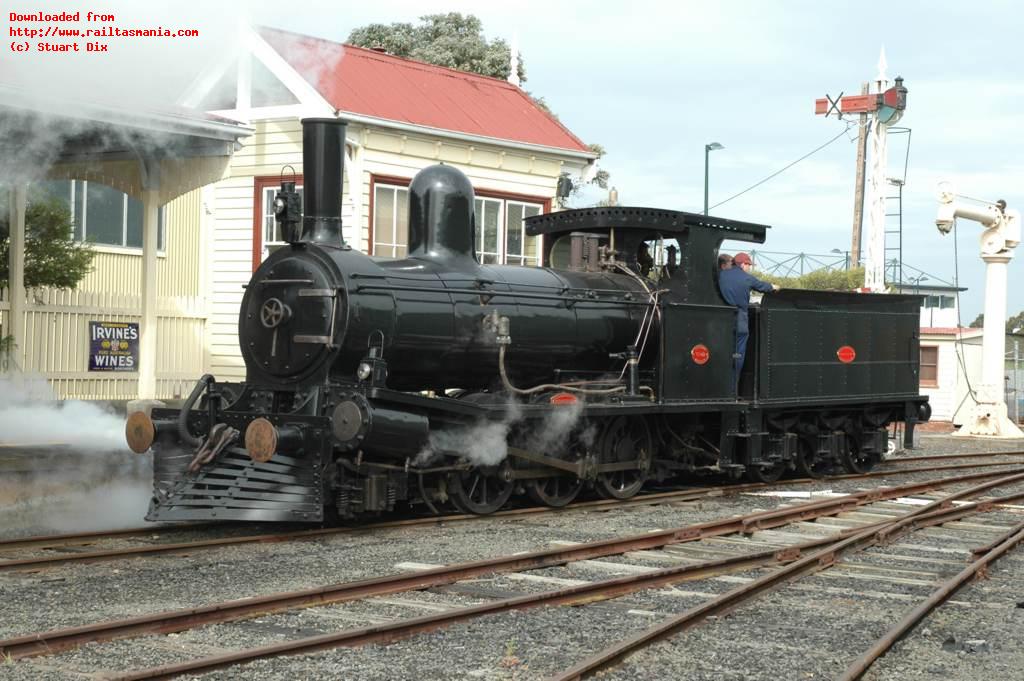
[{"x": 787, "y": 167}]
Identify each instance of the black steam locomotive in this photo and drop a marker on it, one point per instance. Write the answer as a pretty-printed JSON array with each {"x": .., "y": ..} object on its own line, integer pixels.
[{"x": 436, "y": 381}]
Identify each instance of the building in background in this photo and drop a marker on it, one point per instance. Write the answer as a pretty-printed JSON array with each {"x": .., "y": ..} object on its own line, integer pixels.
[
  {"x": 132, "y": 180},
  {"x": 403, "y": 115},
  {"x": 177, "y": 202}
]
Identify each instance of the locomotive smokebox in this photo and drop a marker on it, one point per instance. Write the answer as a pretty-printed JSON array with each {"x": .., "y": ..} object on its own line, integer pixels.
[
  {"x": 441, "y": 215},
  {"x": 323, "y": 160}
]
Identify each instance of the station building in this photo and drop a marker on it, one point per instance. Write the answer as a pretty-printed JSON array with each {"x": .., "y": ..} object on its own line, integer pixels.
[{"x": 173, "y": 260}]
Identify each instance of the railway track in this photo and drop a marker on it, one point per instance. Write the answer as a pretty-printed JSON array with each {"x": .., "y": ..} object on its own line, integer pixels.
[
  {"x": 50, "y": 542},
  {"x": 885, "y": 521}
]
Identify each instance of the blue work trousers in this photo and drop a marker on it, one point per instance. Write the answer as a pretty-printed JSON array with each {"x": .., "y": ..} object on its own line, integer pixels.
[{"x": 742, "y": 333}]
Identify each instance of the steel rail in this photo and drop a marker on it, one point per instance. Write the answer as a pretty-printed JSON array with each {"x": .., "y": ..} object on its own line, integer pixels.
[
  {"x": 316, "y": 533},
  {"x": 977, "y": 568},
  {"x": 809, "y": 563},
  {"x": 82, "y": 539},
  {"x": 178, "y": 620},
  {"x": 937, "y": 512},
  {"x": 944, "y": 457},
  {"x": 40, "y": 562}
]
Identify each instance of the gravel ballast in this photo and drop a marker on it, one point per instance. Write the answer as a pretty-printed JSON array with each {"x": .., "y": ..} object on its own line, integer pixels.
[{"x": 808, "y": 630}]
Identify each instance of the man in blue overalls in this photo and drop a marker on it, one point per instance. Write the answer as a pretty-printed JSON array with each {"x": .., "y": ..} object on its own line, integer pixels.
[{"x": 735, "y": 284}]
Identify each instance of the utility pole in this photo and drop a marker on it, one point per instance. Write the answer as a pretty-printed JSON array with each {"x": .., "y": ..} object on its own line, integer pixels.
[{"x": 858, "y": 189}]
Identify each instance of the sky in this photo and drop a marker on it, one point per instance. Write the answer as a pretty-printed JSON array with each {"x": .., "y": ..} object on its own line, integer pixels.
[{"x": 654, "y": 82}]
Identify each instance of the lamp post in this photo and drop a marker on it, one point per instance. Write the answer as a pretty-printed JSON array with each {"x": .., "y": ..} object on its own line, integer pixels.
[
  {"x": 708, "y": 148},
  {"x": 846, "y": 258}
]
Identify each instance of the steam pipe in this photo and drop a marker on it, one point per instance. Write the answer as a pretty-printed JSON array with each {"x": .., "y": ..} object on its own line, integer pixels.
[
  {"x": 323, "y": 162},
  {"x": 183, "y": 431}
]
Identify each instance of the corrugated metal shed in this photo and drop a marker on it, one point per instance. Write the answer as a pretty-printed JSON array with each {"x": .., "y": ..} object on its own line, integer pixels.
[{"x": 371, "y": 83}]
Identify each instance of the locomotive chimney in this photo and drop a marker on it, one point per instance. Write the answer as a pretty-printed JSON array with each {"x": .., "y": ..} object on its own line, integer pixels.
[
  {"x": 323, "y": 162},
  {"x": 441, "y": 215}
]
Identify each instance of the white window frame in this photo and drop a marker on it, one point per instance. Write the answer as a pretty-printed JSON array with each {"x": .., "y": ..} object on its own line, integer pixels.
[
  {"x": 499, "y": 254},
  {"x": 267, "y": 211},
  {"x": 123, "y": 247},
  {"x": 388, "y": 249},
  {"x": 528, "y": 259}
]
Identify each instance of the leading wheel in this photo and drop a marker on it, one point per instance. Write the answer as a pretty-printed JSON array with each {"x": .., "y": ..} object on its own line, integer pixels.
[
  {"x": 480, "y": 492},
  {"x": 555, "y": 492},
  {"x": 626, "y": 439},
  {"x": 853, "y": 456}
]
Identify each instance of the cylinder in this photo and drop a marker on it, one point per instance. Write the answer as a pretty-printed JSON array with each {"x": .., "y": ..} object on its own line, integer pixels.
[
  {"x": 323, "y": 162},
  {"x": 359, "y": 424}
]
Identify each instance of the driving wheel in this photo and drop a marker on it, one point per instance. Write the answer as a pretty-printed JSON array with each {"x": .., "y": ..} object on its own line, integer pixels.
[
  {"x": 626, "y": 439},
  {"x": 479, "y": 491}
]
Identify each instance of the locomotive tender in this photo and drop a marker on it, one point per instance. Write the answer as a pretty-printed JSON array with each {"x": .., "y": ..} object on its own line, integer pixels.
[{"x": 435, "y": 380}]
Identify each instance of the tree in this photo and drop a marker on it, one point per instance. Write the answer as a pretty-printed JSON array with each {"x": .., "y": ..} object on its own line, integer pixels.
[
  {"x": 820, "y": 280},
  {"x": 52, "y": 258},
  {"x": 452, "y": 40},
  {"x": 456, "y": 41},
  {"x": 1014, "y": 322}
]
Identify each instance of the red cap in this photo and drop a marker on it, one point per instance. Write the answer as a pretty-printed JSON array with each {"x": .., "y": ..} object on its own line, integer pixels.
[{"x": 742, "y": 259}]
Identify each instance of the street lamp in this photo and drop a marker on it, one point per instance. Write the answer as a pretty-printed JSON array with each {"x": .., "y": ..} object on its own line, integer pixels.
[
  {"x": 846, "y": 258},
  {"x": 708, "y": 148}
]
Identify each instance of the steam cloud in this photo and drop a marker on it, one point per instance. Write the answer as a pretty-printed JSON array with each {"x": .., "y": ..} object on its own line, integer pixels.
[
  {"x": 80, "y": 475},
  {"x": 486, "y": 443},
  {"x": 31, "y": 416}
]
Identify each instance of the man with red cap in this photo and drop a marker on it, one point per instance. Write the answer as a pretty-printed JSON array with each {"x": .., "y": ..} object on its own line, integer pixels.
[{"x": 736, "y": 283}]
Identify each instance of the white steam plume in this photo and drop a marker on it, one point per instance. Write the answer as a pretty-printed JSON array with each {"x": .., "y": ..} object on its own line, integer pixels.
[
  {"x": 486, "y": 442},
  {"x": 31, "y": 416},
  {"x": 65, "y": 465}
]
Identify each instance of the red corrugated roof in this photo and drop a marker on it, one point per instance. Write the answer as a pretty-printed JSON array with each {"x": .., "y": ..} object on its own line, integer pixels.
[
  {"x": 370, "y": 83},
  {"x": 965, "y": 331}
]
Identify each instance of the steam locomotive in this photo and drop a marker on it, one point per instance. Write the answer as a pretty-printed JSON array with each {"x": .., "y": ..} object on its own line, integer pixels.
[{"x": 436, "y": 381}]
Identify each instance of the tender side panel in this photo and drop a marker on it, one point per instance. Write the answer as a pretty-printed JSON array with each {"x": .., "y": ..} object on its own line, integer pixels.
[
  {"x": 684, "y": 329},
  {"x": 814, "y": 345}
]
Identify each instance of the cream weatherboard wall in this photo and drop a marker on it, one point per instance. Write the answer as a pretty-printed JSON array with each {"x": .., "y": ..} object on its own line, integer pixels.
[
  {"x": 376, "y": 152},
  {"x": 56, "y": 343},
  {"x": 949, "y": 397}
]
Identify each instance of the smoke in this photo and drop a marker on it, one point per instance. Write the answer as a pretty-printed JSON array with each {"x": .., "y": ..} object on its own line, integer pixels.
[
  {"x": 65, "y": 466},
  {"x": 486, "y": 442},
  {"x": 31, "y": 416},
  {"x": 551, "y": 436},
  {"x": 48, "y": 95},
  {"x": 315, "y": 59}
]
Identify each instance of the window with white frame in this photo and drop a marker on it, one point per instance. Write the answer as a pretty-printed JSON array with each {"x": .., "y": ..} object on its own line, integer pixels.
[
  {"x": 520, "y": 248},
  {"x": 390, "y": 221},
  {"x": 102, "y": 215},
  {"x": 271, "y": 234},
  {"x": 501, "y": 233},
  {"x": 488, "y": 231}
]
